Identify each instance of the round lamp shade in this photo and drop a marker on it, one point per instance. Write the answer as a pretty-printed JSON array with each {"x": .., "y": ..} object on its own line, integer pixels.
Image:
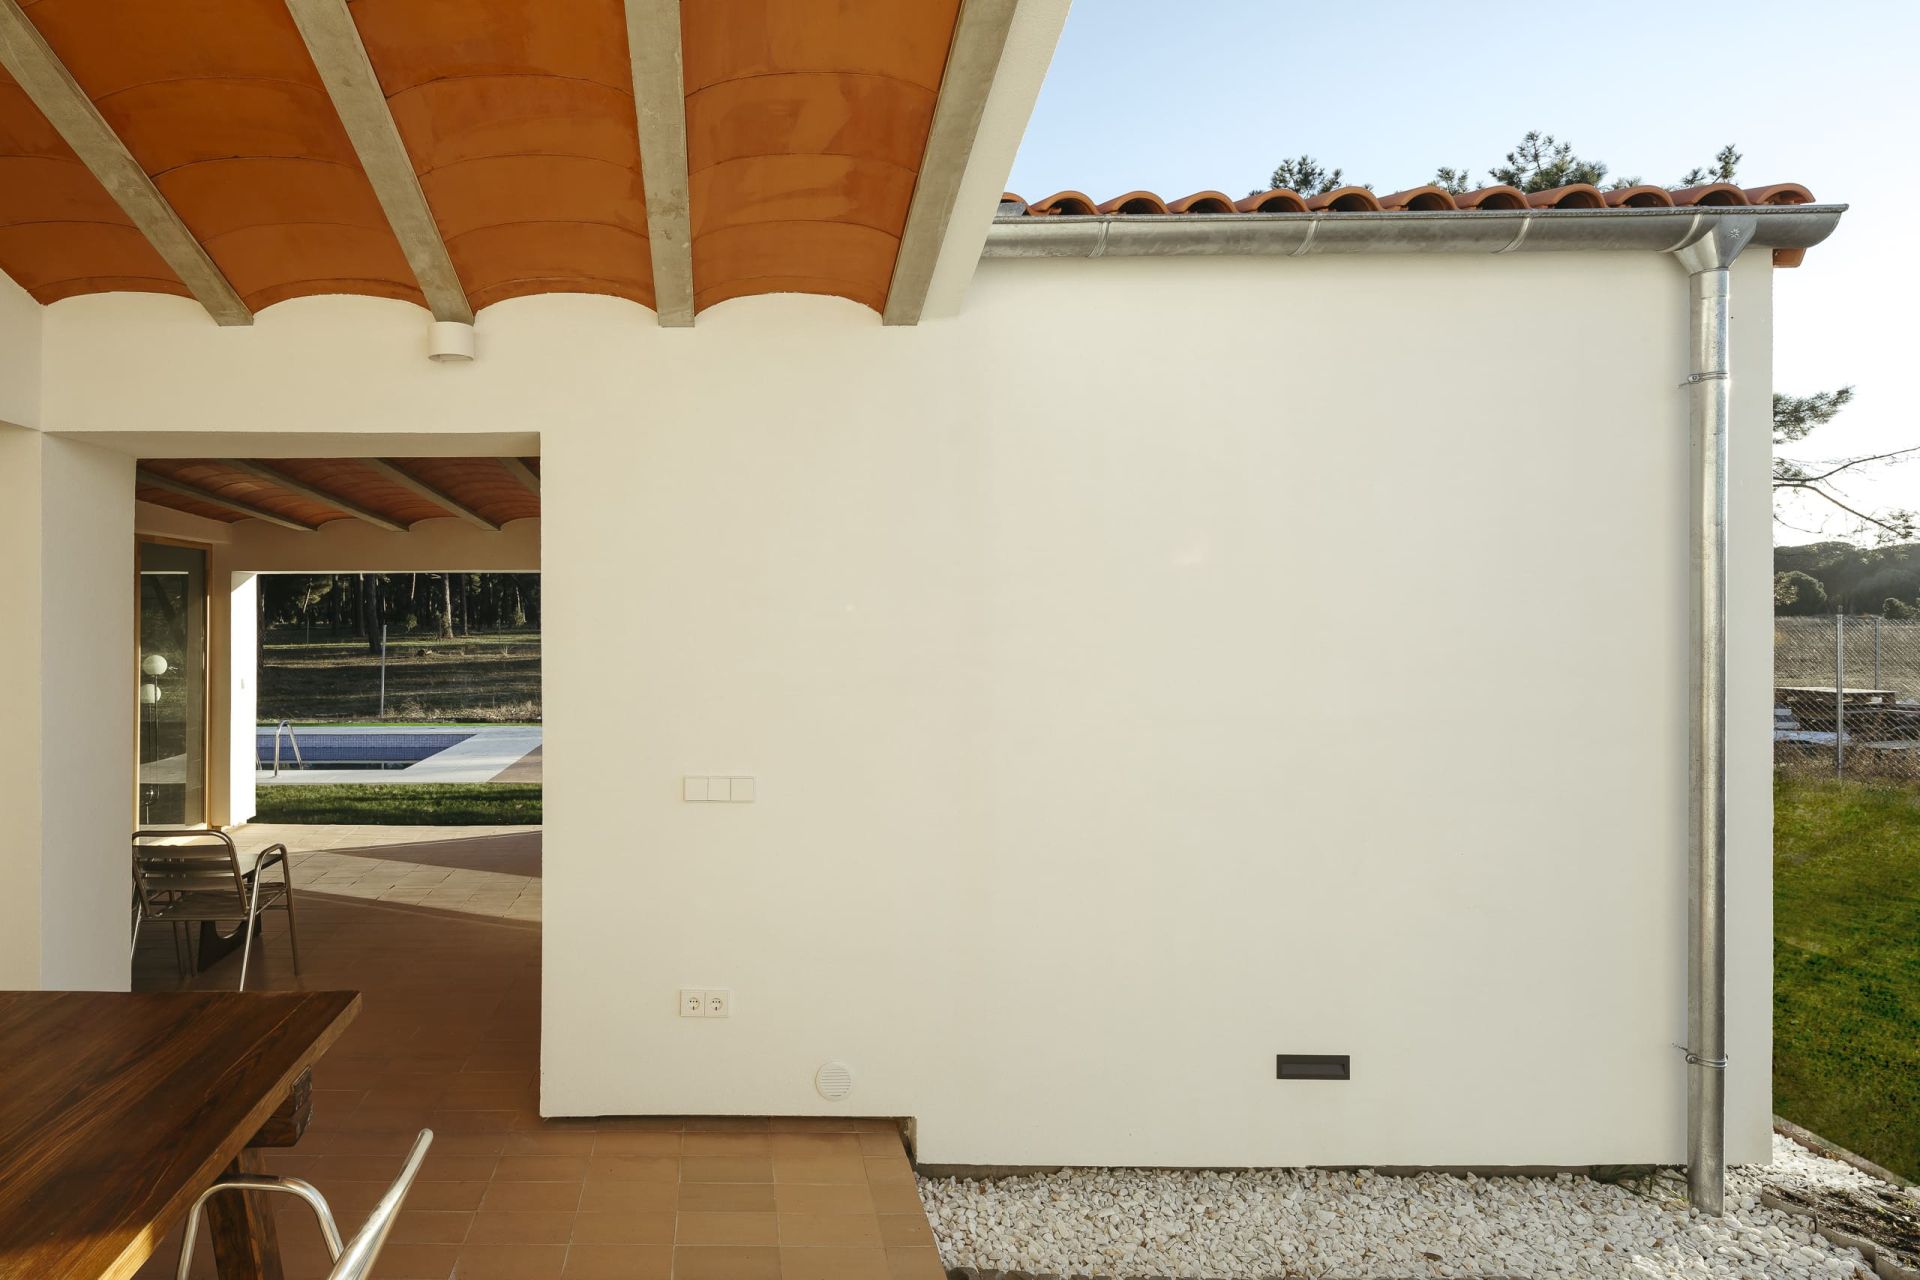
[
  {"x": 149, "y": 692},
  {"x": 154, "y": 665}
]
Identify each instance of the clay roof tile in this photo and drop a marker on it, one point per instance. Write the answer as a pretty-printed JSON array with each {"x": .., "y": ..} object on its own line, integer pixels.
[
  {"x": 1135, "y": 202},
  {"x": 1067, "y": 202},
  {"x": 1420, "y": 199},
  {"x": 1711, "y": 193},
  {"x": 1279, "y": 200},
  {"x": 1496, "y": 197},
  {"x": 1202, "y": 202},
  {"x": 1780, "y": 193},
  {"x": 1640, "y": 197},
  {"x": 1575, "y": 195},
  {"x": 1345, "y": 200}
]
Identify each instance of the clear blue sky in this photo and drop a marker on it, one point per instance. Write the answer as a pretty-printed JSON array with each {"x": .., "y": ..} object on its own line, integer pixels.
[{"x": 1181, "y": 97}]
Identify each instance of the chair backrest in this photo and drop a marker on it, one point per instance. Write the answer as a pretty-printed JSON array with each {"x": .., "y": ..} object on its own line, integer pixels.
[
  {"x": 364, "y": 1249},
  {"x": 183, "y": 861}
]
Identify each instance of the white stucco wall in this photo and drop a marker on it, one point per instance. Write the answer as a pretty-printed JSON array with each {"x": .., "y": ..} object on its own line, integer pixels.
[
  {"x": 66, "y": 715},
  {"x": 1158, "y": 667},
  {"x": 19, "y": 355}
]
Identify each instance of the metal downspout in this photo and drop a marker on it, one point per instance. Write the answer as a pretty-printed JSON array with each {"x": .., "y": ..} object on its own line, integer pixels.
[{"x": 1708, "y": 259}]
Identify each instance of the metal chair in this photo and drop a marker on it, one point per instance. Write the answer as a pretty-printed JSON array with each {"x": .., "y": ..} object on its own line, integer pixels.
[
  {"x": 355, "y": 1261},
  {"x": 187, "y": 877}
]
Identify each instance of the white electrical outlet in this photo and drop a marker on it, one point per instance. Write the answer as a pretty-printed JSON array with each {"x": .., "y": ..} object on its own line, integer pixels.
[
  {"x": 719, "y": 1003},
  {"x": 693, "y": 1004}
]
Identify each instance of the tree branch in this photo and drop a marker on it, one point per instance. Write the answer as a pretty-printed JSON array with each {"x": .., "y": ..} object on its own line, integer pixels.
[
  {"x": 1850, "y": 462},
  {"x": 1816, "y": 491}
]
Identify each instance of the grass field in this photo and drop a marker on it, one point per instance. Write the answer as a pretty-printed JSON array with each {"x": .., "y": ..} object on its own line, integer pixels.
[
  {"x": 493, "y": 677},
  {"x": 1846, "y": 1016},
  {"x": 417, "y": 805}
]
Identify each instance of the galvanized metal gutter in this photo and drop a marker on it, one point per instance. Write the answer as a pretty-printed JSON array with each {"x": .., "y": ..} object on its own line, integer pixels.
[
  {"x": 1705, "y": 241},
  {"x": 1215, "y": 235}
]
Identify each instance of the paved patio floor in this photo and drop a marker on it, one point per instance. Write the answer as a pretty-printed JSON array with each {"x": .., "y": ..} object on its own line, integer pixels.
[{"x": 448, "y": 1039}]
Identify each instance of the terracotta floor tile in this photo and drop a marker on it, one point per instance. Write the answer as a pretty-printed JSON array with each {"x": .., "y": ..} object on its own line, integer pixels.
[
  {"x": 634, "y": 1168},
  {"x": 840, "y": 1230},
  {"x": 441, "y": 1195},
  {"x": 628, "y": 1197},
  {"x": 618, "y": 1262},
  {"x": 726, "y": 1169},
  {"x": 697, "y": 1228},
  {"x": 823, "y": 1197},
  {"x": 726, "y": 1144},
  {"x": 426, "y": 1226},
  {"x": 881, "y": 1142},
  {"x": 541, "y": 1168},
  {"x": 549, "y": 1142},
  {"x": 919, "y": 1263},
  {"x": 726, "y": 1264},
  {"x": 532, "y": 1197},
  {"x": 636, "y": 1143},
  {"x": 415, "y": 1261},
  {"x": 896, "y": 1197},
  {"x": 495, "y": 1227},
  {"x": 905, "y": 1230},
  {"x": 625, "y": 1227},
  {"x": 726, "y": 1197},
  {"x": 815, "y": 1146},
  {"x": 822, "y": 1169},
  {"x": 510, "y": 1262},
  {"x": 889, "y": 1169},
  {"x": 833, "y": 1264}
]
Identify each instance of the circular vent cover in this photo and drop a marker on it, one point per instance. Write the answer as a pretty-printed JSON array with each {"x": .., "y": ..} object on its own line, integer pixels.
[{"x": 833, "y": 1081}]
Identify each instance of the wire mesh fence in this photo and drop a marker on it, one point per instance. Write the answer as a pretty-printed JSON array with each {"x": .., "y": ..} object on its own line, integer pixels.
[{"x": 1847, "y": 697}]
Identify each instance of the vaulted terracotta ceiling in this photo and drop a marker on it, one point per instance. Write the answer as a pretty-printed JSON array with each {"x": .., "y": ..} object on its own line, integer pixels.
[
  {"x": 306, "y": 493},
  {"x": 806, "y": 125}
]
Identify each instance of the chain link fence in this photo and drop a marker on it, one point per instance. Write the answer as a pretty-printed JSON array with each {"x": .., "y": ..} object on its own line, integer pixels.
[{"x": 1846, "y": 698}]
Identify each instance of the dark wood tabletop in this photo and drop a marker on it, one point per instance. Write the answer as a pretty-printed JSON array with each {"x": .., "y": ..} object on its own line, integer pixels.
[{"x": 116, "y": 1110}]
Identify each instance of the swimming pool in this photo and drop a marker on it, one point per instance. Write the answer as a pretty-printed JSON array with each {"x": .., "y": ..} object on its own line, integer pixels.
[{"x": 338, "y": 749}]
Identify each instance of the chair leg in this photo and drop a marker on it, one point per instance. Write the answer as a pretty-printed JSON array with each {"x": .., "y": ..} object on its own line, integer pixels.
[
  {"x": 246, "y": 949},
  {"x": 293, "y": 934}
]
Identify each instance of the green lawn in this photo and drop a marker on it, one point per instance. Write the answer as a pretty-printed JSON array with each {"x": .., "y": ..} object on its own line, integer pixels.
[
  {"x": 1846, "y": 919},
  {"x": 483, "y": 678},
  {"x": 416, "y": 805}
]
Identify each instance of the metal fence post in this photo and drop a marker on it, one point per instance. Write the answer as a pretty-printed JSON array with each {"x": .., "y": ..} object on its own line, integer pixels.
[
  {"x": 383, "y": 671},
  {"x": 1839, "y": 694},
  {"x": 1876, "y": 651}
]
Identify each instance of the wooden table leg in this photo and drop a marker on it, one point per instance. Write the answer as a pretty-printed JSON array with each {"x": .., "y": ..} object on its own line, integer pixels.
[{"x": 245, "y": 1246}]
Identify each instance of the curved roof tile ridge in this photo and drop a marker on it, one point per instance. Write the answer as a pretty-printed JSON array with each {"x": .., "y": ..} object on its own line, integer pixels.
[
  {"x": 1575, "y": 195},
  {"x": 1202, "y": 202},
  {"x": 1494, "y": 197},
  {"x": 1420, "y": 199},
  {"x": 1069, "y": 202},
  {"x": 1278, "y": 200},
  {"x": 1640, "y": 197},
  {"x": 1134, "y": 202},
  {"x": 1711, "y": 193},
  {"x": 1345, "y": 200},
  {"x": 1780, "y": 193}
]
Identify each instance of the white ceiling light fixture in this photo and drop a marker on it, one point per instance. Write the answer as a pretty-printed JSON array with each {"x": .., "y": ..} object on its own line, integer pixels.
[{"x": 450, "y": 342}]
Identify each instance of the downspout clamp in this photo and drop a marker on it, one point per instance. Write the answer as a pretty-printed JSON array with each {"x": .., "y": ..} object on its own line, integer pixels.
[{"x": 1708, "y": 261}]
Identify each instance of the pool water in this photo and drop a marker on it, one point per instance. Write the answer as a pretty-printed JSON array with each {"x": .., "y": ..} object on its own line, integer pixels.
[{"x": 372, "y": 750}]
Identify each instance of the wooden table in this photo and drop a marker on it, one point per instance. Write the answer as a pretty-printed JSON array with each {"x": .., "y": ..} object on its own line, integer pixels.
[{"x": 117, "y": 1110}]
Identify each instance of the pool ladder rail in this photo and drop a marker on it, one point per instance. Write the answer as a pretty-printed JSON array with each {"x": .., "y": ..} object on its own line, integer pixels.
[{"x": 286, "y": 727}]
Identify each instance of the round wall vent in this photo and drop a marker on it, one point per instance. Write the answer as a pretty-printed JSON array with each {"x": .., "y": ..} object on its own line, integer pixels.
[{"x": 833, "y": 1081}]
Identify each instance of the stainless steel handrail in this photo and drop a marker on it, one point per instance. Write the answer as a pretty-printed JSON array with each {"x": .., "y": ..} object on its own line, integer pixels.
[{"x": 286, "y": 727}]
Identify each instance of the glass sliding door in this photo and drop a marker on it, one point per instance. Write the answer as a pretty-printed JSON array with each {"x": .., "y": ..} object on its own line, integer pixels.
[{"x": 172, "y": 777}]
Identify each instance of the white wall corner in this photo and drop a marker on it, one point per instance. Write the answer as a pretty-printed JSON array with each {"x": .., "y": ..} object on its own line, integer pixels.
[
  {"x": 20, "y": 702},
  {"x": 86, "y": 728},
  {"x": 20, "y": 345},
  {"x": 237, "y": 665},
  {"x": 1016, "y": 86}
]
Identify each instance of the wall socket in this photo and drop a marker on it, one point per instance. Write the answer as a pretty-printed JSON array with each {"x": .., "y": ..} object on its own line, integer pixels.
[{"x": 706, "y": 1002}]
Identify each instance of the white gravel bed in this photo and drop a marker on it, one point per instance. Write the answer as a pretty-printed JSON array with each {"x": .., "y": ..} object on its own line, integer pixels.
[{"x": 1252, "y": 1225}]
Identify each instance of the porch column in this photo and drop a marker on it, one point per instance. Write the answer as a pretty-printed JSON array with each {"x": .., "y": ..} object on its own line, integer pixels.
[{"x": 66, "y": 712}]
